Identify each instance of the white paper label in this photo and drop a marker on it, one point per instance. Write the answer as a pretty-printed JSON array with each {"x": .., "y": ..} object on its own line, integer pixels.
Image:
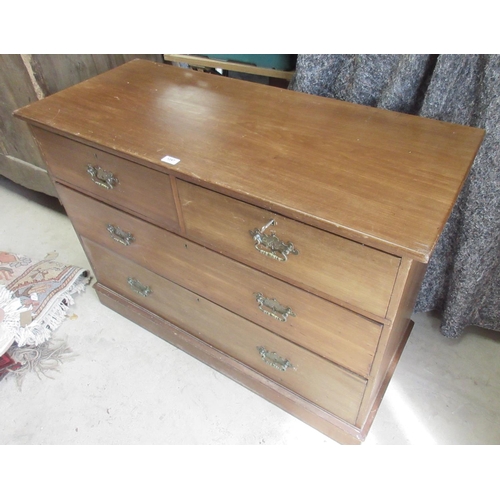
[{"x": 171, "y": 160}]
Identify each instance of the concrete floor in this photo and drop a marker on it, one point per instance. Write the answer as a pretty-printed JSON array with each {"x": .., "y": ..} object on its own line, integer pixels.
[{"x": 126, "y": 386}]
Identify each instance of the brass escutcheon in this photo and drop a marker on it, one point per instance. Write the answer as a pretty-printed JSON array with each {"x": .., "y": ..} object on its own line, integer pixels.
[
  {"x": 138, "y": 287},
  {"x": 102, "y": 177},
  {"x": 270, "y": 245},
  {"x": 120, "y": 235},
  {"x": 274, "y": 360},
  {"x": 273, "y": 308}
]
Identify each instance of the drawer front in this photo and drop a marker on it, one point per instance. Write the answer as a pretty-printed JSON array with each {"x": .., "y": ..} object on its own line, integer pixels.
[
  {"x": 117, "y": 181},
  {"x": 310, "y": 376},
  {"x": 321, "y": 326},
  {"x": 332, "y": 266}
]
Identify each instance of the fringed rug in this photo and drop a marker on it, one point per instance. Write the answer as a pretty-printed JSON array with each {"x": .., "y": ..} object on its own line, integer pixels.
[{"x": 34, "y": 299}]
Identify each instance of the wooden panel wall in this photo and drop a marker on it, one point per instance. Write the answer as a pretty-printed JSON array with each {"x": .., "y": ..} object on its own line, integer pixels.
[{"x": 26, "y": 78}]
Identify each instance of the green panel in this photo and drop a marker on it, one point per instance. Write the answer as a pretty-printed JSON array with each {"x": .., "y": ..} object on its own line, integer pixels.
[{"x": 285, "y": 62}]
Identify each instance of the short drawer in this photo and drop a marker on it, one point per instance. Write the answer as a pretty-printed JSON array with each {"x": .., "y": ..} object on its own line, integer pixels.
[
  {"x": 310, "y": 376},
  {"x": 323, "y": 327},
  {"x": 115, "y": 180},
  {"x": 335, "y": 267}
]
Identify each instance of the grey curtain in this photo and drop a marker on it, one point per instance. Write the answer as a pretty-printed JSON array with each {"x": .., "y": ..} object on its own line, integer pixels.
[{"x": 462, "y": 282}]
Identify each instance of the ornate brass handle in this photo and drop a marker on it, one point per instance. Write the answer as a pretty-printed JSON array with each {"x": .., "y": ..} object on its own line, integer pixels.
[
  {"x": 120, "y": 235},
  {"x": 102, "y": 177},
  {"x": 139, "y": 288},
  {"x": 270, "y": 245},
  {"x": 272, "y": 359},
  {"x": 273, "y": 308}
]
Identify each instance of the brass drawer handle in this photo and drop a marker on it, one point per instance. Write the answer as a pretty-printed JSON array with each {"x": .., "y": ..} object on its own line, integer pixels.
[
  {"x": 270, "y": 245},
  {"x": 120, "y": 235},
  {"x": 102, "y": 177},
  {"x": 273, "y": 308},
  {"x": 272, "y": 359},
  {"x": 139, "y": 288}
]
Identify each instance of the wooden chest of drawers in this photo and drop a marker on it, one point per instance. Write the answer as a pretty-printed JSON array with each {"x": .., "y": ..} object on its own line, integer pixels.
[{"x": 279, "y": 237}]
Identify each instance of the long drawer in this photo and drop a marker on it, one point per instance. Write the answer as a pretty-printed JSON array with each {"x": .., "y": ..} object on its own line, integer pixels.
[
  {"x": 310, "y": 376},
  {"x": 310, "y": 321},
  {"x": 335, "y": 267},
  {"x": 120, "y": 182}
]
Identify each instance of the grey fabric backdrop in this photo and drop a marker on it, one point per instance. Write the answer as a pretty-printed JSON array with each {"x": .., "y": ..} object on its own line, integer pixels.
[{"x": 463, "y": 278}]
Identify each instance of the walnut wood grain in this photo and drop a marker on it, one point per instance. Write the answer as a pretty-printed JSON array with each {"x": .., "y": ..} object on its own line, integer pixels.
[
  {"x": 362, "y": 193},
  {"x": 394, "y": 336},
  {"x": 337, "y": 268},
  {"x": 317, "y": 380},
  {"x": 308, "y": 412},
  {"x": 324, "y": 328},
  {"x": 145, "y": 193},
  {"x": 379, "y": 177}
]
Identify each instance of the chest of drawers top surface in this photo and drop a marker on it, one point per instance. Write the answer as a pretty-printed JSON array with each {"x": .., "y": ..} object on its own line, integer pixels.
[{"x": 385, "y": 179}]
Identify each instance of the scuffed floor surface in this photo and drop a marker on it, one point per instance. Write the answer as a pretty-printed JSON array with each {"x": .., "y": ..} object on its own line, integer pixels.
[{"x": 126, "y": 386}]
